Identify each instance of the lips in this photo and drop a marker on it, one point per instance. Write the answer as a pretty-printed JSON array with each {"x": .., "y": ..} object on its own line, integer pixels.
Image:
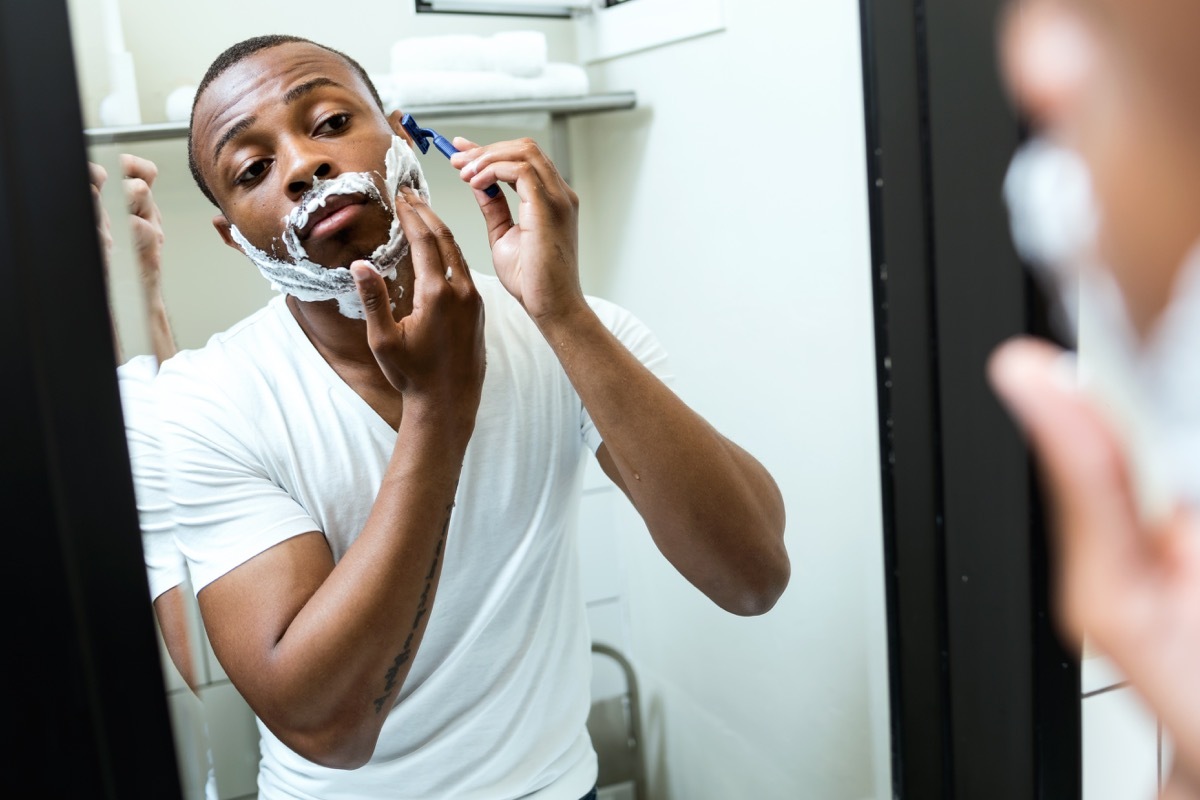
[{"x": 328, "y": 217}]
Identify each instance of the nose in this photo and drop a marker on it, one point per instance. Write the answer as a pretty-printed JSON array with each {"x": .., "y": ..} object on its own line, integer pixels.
[
  {"x": 305, "y": 165},
  {"x": 1049, "y": 54}
]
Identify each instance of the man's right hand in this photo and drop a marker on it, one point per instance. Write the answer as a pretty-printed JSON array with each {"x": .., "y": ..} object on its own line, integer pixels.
[
  {"x": 145, "y": 219},
  {"x": 437, "y": 351}
]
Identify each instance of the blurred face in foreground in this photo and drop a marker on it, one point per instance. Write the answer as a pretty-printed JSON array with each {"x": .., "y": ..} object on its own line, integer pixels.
[{"x": 1118, "y": 83}]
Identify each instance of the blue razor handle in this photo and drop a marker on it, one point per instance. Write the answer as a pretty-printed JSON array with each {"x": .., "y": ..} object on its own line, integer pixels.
[{"x": 422, "y": 136}]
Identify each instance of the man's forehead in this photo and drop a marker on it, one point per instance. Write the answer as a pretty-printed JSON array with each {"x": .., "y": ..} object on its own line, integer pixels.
[{"x": 262, "y": 79}]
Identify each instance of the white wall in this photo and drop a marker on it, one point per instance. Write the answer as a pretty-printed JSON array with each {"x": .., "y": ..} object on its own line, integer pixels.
[{"x": 730, "y": 213}]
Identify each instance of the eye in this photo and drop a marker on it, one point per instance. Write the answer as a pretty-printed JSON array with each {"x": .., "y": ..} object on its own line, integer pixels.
[
  {"x": 253, "y": 172},
  {"x": 334, "y": 123}
]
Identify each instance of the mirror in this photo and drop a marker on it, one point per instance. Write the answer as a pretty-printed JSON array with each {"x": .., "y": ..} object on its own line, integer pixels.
[{"x": 754, "y": 276}]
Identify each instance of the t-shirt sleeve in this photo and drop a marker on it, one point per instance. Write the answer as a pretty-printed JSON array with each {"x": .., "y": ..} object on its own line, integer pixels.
[
  {"x": 228, "y": 507},
  {"x": 165, "y": 566},
  {"x": 640, "y": 341}
]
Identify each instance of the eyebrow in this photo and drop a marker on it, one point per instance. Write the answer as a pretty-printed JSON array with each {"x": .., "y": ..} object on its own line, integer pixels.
[
  {"x": 296, "y": 92},
  {"x": 235, "y": 130}
]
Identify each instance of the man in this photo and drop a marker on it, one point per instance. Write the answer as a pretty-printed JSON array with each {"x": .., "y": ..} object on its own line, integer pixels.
[
  {"x": 377, "y": 511},
  {"x": 1118, "y": 83}
]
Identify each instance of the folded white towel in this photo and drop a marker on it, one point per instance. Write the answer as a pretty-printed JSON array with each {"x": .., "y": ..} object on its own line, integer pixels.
[
  {"x": 518, "y": 53},
  {"x": 409, "y": 89}
]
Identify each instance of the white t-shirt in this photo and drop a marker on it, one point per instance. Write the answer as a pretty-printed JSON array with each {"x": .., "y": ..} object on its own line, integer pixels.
[
  {"x": 267, "y": 442},
  {"x": 165, "y": 567}
]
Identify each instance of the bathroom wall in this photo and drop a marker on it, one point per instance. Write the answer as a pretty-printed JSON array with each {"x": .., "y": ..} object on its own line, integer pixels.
[{"x": 730, "y": 213}]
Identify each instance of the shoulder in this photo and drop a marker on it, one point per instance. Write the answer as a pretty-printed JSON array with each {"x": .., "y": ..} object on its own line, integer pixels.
[
  {"x": 135, "y": 382},
  {"x": 225, "y": 379},
  {"x": 255, "y": 340}
]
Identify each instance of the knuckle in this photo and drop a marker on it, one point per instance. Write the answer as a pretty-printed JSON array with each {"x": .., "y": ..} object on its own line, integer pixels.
[
  {"x": 137, "y": 189},
  {"x": 423, "y": 237},
  {"x": 372, "y": 300}
]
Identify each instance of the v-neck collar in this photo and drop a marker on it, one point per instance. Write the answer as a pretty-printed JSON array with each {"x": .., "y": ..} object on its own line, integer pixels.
[{"x": 336, "y": 383}]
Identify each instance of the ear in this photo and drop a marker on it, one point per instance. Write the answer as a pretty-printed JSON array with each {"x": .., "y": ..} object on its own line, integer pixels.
[
  {"x": 398, "y": 129},
  {"x": 224, "y": 228}
]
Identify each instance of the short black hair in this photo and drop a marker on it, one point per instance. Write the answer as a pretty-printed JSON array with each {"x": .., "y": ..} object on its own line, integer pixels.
[{"x": 245, "y": 49}]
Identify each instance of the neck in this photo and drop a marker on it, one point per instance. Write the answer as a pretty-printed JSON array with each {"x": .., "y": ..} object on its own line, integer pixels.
[{"x": 341, "y": 340}]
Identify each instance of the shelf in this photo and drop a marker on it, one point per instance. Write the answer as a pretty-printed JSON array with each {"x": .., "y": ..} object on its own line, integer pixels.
[{"x": 558, "y": 108}]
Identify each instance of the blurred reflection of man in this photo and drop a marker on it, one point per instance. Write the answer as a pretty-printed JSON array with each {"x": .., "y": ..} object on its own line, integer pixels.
[
  {"x": 166, "y": 570},
  {"x": 334, "y": 475},
  {"x": 1118, "y": 83}
]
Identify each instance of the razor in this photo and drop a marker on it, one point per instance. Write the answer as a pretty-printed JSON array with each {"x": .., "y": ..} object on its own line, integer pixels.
[{"x": 425, "y": 136}]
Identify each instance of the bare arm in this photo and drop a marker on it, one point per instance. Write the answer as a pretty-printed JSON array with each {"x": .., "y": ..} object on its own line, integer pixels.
[
  {"x": 712, "y": 509},
  {"x": 320, "y": 650},
  {"x": 172, "y": 624},
  {"x": 145, "y": 220}
]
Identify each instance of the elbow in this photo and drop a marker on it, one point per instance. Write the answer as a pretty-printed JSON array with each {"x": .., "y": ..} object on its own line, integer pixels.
[
  {"x": 340, "y": 758},
  {"x": 334, "y": 747},
  {"x": 759, "y": 591},
  {"x": 332, "y": 755}
]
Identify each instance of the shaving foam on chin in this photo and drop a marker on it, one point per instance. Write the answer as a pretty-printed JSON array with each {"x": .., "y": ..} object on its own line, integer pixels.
[
  {"x": 1137, "y": 383},
  {"x": 306, "y": 280}
]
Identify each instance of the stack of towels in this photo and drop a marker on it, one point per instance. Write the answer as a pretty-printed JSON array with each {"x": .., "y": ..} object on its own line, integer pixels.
[{"x": 436, "y": 70}]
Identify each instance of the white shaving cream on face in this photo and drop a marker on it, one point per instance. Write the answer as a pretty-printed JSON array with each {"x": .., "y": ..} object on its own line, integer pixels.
[{"x": 306, "y": 280}]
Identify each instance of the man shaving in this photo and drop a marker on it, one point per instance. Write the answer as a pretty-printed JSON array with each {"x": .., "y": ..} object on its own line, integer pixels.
[{"x": 376, "y": 475}]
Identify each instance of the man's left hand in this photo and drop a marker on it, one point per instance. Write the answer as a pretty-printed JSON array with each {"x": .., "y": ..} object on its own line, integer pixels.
[{"x": 537, "y": 257}]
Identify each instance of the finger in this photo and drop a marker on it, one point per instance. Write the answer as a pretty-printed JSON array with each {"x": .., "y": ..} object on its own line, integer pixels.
[
  {"x": 428, "y": 267},
  {"x": 464, "y": 147},
  {"x": 1074, "y": 442},
  {"x": 377, "y": 305},
  {"x": 522, "y": 151},
  {"x": 136, "y": 167},
  {"x": 451, "y": 253},
  {"x": 1085, "y": 471},
  {"x": 139, "y": 199},
  {"x": 147, "y": 238},
  {"x": 97, "y": 175},
  {"x": 497, "y": 216},
  {"x": 536, "y": 182}
]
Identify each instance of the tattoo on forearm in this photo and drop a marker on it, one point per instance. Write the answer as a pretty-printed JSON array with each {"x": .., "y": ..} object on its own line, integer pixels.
[{"x": 422, "y": 609}]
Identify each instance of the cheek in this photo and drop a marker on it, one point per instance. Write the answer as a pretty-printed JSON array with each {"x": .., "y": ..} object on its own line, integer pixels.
[
  {"x": 259, "y": 221},
  {"x": 1149, "y": 206}
]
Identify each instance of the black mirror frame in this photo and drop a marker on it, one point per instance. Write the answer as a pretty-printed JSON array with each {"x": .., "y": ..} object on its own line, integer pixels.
[
  {"x": 88, "y": 706},
  {"x": 985, "y": 697}
]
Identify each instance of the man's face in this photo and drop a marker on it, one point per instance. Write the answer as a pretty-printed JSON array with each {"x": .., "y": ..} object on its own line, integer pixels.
[
  {"x": 273, "y": 121},
  {"x": 1116, "y": 81}
]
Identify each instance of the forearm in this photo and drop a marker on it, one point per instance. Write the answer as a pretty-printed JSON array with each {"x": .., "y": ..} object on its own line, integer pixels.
[
  {"x": 712, "y": 509},
  {"x": 159, "y": 326},
  {"x": 172, "y": 623},
  {"x": 336, "y": 669}
]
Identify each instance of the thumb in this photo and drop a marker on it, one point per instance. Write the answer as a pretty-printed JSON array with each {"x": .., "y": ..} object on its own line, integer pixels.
[
  {"x": 377, "y": 306},
  {"x": 1083, "y": 466}
]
